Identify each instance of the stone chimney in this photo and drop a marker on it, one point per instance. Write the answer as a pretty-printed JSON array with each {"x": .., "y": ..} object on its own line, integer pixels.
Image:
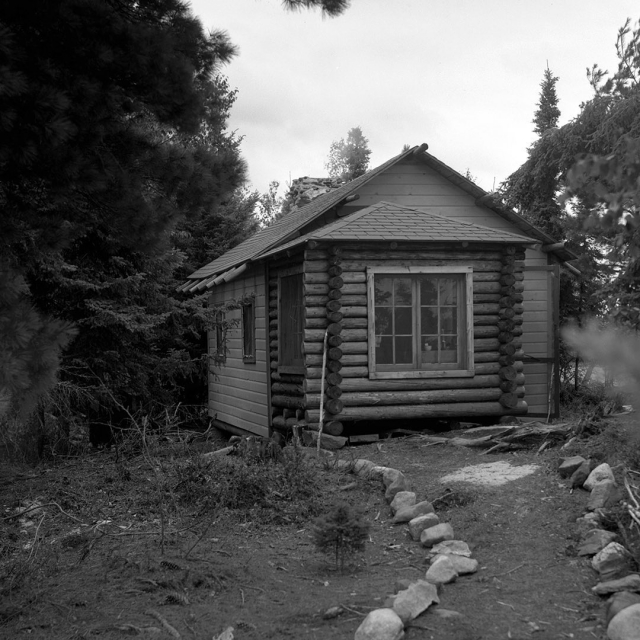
[{"x": 304, "y": 190}]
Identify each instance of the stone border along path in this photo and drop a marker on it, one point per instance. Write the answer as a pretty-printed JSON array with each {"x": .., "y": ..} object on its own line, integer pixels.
[
  {"x": 451, "y": 558},
  {"x": 610, "y": 559}
]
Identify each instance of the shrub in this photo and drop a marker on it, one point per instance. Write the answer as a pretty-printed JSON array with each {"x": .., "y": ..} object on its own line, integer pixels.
[{"x": 342, "y": 532}]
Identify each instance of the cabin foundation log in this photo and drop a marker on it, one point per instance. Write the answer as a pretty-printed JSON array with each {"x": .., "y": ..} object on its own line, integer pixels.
[{"x": 400, "y": 412}]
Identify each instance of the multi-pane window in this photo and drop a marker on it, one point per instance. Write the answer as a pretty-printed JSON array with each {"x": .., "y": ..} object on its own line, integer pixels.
[
  {"x": 290, "y": 323},
  {"x": 420, "y": 321},
  {"x": 248, "y": 333}
]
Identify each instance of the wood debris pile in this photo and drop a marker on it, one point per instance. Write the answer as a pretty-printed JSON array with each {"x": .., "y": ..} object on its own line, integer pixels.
[
  {"x": 509, "y": 437},
  {"x": 633, "y": 503}
]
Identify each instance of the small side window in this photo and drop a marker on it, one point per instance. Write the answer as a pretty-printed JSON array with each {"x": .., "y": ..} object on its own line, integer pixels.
[
  {"x": 248, "y": 333},
  {"x": 218, "y": 349}
]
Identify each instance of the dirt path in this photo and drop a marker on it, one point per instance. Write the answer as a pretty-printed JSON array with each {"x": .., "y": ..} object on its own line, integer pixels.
[{"x": 269, "y": 582}]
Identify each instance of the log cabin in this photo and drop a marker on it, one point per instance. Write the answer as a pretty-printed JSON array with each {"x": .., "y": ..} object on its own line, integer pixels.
[{"x": 407, "y": 294}]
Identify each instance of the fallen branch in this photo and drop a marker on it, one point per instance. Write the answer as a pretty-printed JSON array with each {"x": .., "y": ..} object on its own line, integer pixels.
[
  {"x": 41, "y": 506},
  {"x": 163, "y": 621}
]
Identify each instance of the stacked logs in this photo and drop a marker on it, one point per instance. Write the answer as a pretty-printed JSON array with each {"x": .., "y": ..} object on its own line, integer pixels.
[
  {"x": 510, "y": 329},
  {"x": 287, "y": 390},
  {"x": 324, "y": 285},
  {"x": 497, "y": 388}
]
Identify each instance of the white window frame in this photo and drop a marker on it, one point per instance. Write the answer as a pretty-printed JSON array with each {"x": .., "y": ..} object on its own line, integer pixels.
[{"x": 466, "y": 333}]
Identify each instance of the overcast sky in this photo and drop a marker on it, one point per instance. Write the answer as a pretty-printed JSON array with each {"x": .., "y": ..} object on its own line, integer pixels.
[{"x": 461, "y": 75}]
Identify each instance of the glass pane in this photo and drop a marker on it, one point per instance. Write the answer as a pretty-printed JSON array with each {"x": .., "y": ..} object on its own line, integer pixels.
[
  {"x": 429, "y": 320},
  {"x": 404, "y": 351},
  {"x": 402, "y": 291},
  {"x": 449, "y": 320},
  {"x": 403, "y": 321},
  {"x": 384, "y": 350},
  {"x": 383, "y": 288},
  {"x": 449, "y": 350},
  {"x": 383, "y": 321},
  {"x": 428, "y": 291},
  {"x": 429, "y": 349},
  {"x": 448, "y": 291}
]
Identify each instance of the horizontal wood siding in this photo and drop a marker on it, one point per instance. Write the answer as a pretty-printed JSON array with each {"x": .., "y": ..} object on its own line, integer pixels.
[
  {"x": 413, "y": 184},
  {"x": 238, "y": 390},
  {"x": 538, "y": 329}
]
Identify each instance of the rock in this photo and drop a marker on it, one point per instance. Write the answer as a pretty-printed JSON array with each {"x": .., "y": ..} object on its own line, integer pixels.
[
  {"x": 579, "y": 476},
  {"x": 403, "y": 583},
  {"x": 600, "y": 494},
  {"x": 389, "y": 476},
  {"x": 380, "y": 624},
  {"x": 600, "y": 473},
  {"x": 377, "y": 472},
  {"x": 418, "y": 597},
  {"x": 363, "y": 468},
  {"x": 569, "y": 465},
  {"x": 409, "y": 513},
  {"x": 612, "y": 562},
  {"x": 434, "y": 535},
  {"x": 446, "y": 614},
  {"x": 402, "y": 499},
  {"x": 441, "y": 571},
  {"x": 452, "y": 547},
  {"x": 461, "y": 564},
  {"x": 626, "y": 624},
  {"x": 595, "y": 540},
  {"x": 332, "y": 612},
  {"x": 627, "y": 583},
  {"x": 587, "y": 522},
  {"x": 398, "y": 485},
  {"x": 419, "y": 524},
  {"x": 341, "y": 465},
  {"x": 619, "y": 601},
  {"x": 327, "y": 441}
]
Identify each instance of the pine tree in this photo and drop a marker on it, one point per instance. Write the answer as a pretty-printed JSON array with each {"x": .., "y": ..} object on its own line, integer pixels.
[
  {"x": 95, "y": 166},
  {"x": 349, "y": 158},
  {"x": 331, "y": 8},
  {"x": 547, "y": 114},
  {"x": 534, "y": 188}
]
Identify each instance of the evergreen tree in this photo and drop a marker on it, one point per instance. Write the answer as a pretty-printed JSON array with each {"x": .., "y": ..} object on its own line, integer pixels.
[
  {"x": 547, "y": 114},
  {"x": 94, "y": 173},
  {"x": 349, "y": 158},
  {"x": 329, "y": 7},
  {"x": 534, "y": 190}
]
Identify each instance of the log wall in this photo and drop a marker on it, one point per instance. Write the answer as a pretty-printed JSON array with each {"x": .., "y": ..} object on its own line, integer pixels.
[{"x": 336, "y": 302}]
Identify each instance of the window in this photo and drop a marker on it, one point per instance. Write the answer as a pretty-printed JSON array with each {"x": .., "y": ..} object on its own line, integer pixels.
[
  {"x": 420, "y": 321},
  {"x": 218, "y": 348},
  {"x": 290, "y": 323},
  {"x": 249, "y": 333}
]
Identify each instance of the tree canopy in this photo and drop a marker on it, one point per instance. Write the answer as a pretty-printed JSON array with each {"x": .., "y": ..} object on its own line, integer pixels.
[
  {"x": 112, "y": 131},
  {"x": 349, "y": 158}
]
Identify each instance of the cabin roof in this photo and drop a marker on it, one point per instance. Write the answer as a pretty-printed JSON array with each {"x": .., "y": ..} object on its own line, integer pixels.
[
  {"x": 282, "y": 229},
  {"x": 288, "y": 228},
  {"x": 389, "y": 221}
]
